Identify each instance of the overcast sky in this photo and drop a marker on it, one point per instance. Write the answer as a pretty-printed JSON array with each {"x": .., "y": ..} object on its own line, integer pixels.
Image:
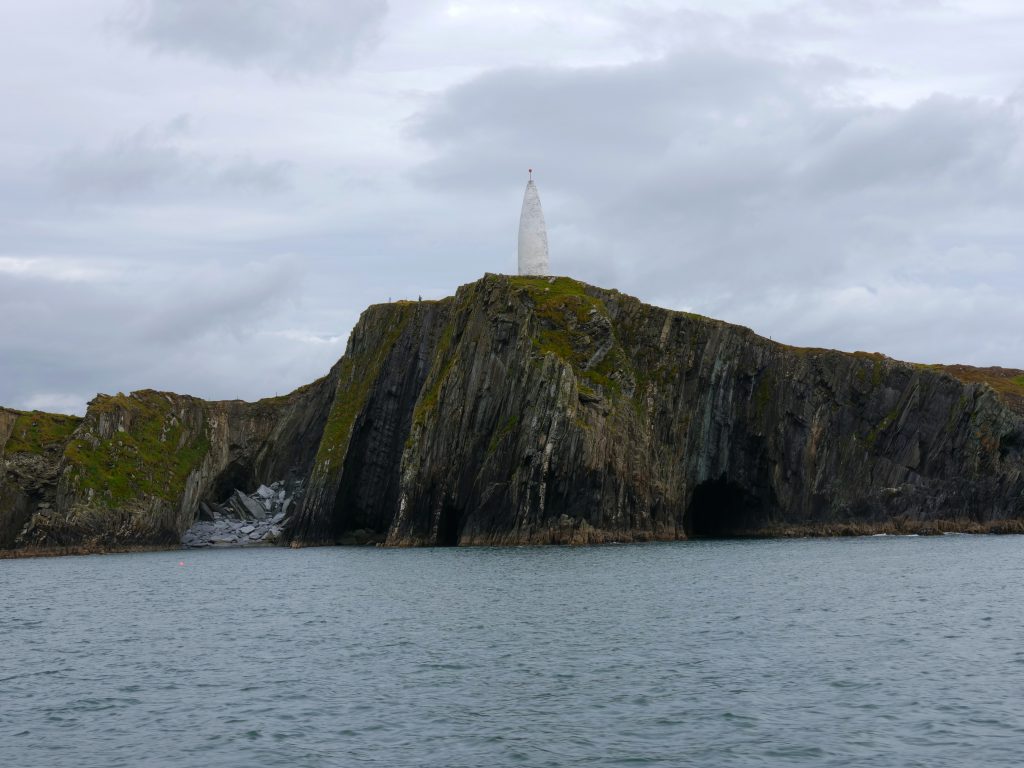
[{"x": 202, "y": 196}]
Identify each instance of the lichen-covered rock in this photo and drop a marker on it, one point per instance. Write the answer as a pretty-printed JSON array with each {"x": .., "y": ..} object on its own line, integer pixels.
[{"x": 540, "y": 410}]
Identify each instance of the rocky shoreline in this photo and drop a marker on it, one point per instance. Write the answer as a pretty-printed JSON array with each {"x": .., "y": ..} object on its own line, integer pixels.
[{"x": 997, "y": 528}]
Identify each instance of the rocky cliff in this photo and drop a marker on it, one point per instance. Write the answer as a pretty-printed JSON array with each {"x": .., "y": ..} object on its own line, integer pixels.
[
  {"x": 134, "y": 471},
  {"x": 540, "y": 410}
]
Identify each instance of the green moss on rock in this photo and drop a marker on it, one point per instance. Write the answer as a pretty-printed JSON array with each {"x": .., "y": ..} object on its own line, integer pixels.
[
  {"x": 150, "y": 453},
  {"x": 35, "y": 431},
  {"x": 355, "y": 380},
  {"x": 875, "y": 432},
  {"x": 511, "y": 425},
  {"x": 563, "y": 307},
  {"x": 443, "y": 361}
]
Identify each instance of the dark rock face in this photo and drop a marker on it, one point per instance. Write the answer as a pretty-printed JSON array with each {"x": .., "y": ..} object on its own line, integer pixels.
[
  {"x": 31, "y": 446},
  {"x": 556, "y": 412},
  {"x": 542, "y": 410},
  {"x": 355, "y": 482}
]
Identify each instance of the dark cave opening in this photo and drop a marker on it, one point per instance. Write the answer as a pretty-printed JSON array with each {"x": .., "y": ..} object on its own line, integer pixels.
[
  {"x": 721, "y": 509},
  {"x": 236, "y": 475},
  {"x": 448, "y": 527},
  {"x": 1011, "y": 444}
]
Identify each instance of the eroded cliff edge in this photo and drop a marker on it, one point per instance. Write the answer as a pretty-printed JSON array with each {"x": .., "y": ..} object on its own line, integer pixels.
[{"x": 541, "y": 410}]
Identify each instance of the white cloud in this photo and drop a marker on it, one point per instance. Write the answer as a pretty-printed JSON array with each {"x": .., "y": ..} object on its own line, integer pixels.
[{"x": 306, "y": 337}]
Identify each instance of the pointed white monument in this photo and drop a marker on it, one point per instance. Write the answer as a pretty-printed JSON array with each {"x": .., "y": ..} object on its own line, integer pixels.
[{"x": 533, "y": 235}]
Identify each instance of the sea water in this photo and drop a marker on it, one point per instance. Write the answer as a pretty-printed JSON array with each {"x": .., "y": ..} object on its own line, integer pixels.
[{"x": 845, "y": 652}]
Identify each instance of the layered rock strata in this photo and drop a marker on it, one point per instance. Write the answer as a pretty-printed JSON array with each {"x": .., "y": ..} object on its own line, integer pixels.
[{"x": 528, "y": 410}]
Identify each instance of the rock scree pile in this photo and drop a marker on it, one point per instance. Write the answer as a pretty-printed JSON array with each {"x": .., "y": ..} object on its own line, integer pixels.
[{"x": 243, "y": 520}]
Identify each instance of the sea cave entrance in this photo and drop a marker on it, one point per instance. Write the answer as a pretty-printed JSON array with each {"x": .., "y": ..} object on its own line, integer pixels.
[
  {"x": 238, "y": 475},
  {"x": 448, "y": 525},
  {"x": 721, "y": 509}
]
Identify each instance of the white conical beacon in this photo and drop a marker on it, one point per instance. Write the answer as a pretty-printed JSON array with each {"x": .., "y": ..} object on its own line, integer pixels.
[{"x": 533, "y": 235}]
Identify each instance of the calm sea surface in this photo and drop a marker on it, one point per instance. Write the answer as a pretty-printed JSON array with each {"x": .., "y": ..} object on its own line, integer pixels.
[{"x": 854, "y": 652}]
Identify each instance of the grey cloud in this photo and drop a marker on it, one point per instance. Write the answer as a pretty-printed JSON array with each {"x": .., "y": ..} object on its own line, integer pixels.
[
  {"x": 129, "y": 167},
  {"x": 280, "y": 36},
  {"x": 941, "y": 142},
  {"x": 150, "y": 163},
  {"x": 248, "y": 174},
  {"x": 209, "y": 298},
  {"x": 757, "y": 190},
  {"x": 622, "y": 121},
  {"x": 208, "y": 328}
]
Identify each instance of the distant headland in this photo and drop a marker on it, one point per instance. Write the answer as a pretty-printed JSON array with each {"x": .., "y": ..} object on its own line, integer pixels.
[{"x": 530, "y": 410}]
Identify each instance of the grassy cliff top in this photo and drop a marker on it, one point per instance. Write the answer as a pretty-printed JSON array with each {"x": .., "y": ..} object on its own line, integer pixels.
[
  {"x": 35, "y": 431},
  {"x": 1008, "y": 383},
  {"x": 553, "y": 295}
]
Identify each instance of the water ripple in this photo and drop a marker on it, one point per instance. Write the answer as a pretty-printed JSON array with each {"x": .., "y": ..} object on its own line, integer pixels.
[{"x": 859, "y": 652}]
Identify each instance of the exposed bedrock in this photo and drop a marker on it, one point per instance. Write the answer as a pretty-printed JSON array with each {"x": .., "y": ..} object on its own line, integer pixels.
[{"x": 540, "y": 410}]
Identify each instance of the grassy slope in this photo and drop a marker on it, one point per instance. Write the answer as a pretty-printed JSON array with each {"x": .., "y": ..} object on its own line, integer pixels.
[
  {"x": 35, "y": 431},
  {"x": 153, "y": 457},
  {"x": 1008, "y": 383},
  {"x": 564, "y": 306}
]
